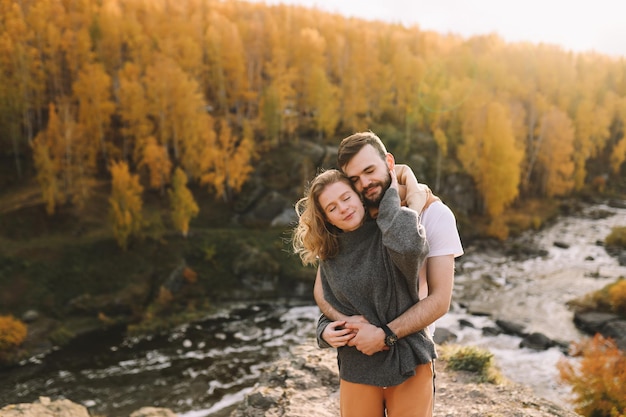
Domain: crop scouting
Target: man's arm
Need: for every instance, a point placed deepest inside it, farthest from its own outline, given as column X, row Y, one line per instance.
column 369, row 339
column 440, row 278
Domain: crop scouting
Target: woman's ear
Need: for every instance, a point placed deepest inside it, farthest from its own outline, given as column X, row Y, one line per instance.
column 391, row 161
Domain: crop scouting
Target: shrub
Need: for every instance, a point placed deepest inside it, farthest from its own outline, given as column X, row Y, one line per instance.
column 610, row 298
column 617, row 297
column 598, row 379
column 617, row 237
column 473, row 359
column 61, row 336
column 12, row 332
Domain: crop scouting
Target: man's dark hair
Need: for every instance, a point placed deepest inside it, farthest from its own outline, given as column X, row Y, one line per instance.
column 351, row 145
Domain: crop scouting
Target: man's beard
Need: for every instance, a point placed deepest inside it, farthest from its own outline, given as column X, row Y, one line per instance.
column 375, row 202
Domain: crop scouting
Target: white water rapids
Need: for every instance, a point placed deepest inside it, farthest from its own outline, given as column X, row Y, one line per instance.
column 534, row 292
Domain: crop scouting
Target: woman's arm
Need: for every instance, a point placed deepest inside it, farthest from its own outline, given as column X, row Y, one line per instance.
column 412, row 194
column 402, row 235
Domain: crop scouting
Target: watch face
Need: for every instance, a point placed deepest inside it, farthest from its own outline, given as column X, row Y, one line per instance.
column 391, row 340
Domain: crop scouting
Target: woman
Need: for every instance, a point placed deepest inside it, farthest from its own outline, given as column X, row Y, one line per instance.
column 368, row 268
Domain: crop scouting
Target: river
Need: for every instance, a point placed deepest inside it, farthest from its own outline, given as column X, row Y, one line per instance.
column 205, row 368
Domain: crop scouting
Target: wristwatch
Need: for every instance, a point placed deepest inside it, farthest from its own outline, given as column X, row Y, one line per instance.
column 390, row 337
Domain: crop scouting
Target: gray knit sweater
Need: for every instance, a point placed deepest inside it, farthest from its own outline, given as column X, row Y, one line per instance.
column 376, row 275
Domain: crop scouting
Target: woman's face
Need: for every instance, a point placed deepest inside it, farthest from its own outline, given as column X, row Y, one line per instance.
column 342, row 206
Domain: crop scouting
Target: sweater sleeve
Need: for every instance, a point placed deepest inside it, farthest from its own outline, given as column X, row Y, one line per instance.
column 403, row 236
column 322, row 322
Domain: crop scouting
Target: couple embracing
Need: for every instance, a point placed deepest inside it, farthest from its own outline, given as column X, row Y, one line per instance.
column 385, row 250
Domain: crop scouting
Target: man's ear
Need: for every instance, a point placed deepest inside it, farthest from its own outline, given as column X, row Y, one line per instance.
column 391, row 161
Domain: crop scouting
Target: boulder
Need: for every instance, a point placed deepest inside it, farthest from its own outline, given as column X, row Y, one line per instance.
column 45, row 407
column 153, row 412
column 443, row 336
column 616, row 330
column 509, row 327
column 537, row 341
column 592, row 322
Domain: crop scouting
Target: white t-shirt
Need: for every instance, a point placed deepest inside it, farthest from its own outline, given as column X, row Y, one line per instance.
column 443, row 239
column 441, row 231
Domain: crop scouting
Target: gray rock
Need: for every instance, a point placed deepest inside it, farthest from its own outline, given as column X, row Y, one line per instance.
column 512, row 328
column 153, row 412
column 287, row 217
column 592, row 322
column 537, row 341
column 30, row 316
column 616, row 330
column 443, row 336
column 44, row 407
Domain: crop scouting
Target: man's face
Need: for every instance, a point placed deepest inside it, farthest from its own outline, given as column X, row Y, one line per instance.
column 370, row 175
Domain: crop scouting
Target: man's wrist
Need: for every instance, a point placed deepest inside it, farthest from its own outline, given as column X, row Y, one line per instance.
column 390, row 337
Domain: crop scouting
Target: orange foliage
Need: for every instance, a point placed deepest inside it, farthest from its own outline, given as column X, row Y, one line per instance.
column 598, row 379
column 12, row 332
column 190, row 275
column 165, row 296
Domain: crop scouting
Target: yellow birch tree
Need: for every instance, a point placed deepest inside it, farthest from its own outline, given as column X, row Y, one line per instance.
column 92, row 91
column 227, row 164
column 133, row 111
column 556, row 154
column 48, row 159
column 156, row 159
column 184, row 207
column 491, row 156
column 125, row 203
column 618, row 154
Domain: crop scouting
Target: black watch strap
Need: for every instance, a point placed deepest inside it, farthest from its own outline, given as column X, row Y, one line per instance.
column 390, row 337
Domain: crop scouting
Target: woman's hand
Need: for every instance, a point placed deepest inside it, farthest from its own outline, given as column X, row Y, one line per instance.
column 394, row 179
column 368, row 339
column 336, row 335
column 356, row 319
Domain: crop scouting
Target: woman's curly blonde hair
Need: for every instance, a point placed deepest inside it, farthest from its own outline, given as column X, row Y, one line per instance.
column 314, row 238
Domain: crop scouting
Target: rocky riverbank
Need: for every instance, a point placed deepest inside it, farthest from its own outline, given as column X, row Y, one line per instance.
column 305, row 384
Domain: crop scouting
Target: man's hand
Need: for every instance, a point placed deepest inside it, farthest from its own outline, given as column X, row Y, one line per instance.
column 369, row 339
column 336, row 335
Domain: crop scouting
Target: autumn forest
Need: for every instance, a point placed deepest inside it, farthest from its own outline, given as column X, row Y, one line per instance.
column 157, row 94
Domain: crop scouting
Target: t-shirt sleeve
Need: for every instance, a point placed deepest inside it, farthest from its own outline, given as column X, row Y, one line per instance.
column 441, row 231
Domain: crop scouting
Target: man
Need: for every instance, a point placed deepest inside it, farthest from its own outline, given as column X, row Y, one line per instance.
column 364, row 159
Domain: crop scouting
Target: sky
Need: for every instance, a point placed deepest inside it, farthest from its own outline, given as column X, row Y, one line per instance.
column 576, row 25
